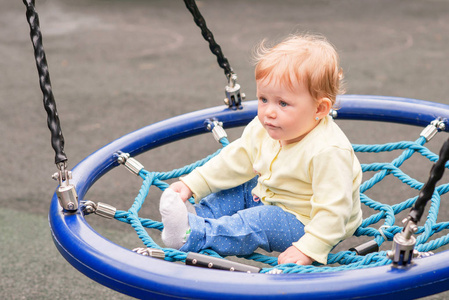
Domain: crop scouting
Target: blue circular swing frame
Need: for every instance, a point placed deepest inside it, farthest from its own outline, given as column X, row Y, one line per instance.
column 145, row 277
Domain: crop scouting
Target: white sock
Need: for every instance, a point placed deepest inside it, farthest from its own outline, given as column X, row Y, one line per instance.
column 175, row 219
column 190, row 207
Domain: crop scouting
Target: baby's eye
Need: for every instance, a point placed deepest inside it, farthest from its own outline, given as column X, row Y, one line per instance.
column 283, row 103
column 263, row 100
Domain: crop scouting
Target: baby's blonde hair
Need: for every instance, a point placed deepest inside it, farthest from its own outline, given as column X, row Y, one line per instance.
column 310, row 59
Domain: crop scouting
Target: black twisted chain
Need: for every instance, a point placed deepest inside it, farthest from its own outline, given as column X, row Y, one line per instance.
column 428, row 188
column 209, row 37
column 57, row 140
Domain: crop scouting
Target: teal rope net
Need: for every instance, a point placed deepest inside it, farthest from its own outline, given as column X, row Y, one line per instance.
column 343, row 260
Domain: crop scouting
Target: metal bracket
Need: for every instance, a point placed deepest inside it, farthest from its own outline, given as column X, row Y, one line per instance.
column 404, row 242
column 216, row 127
column 102, row 209
column 153, row 252
column 233, row 95
column 66, row 192
column 435, row 126
column 333, row 113
column 130, row 163
column 366, row 248
column 206, row 261
column 417, row 254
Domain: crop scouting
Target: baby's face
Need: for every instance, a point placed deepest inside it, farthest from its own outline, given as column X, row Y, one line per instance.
column 288, row 115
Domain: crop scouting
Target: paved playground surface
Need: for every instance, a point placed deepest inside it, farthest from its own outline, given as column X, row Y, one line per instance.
column 117, row 66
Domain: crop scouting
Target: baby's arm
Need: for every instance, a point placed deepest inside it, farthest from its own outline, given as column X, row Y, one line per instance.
column 184, row 191
column 232, row 167
column 335, row 210
column 295, row 256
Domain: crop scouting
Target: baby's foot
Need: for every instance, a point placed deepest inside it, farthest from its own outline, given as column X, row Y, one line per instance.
column 190, row 207
column 175, row 219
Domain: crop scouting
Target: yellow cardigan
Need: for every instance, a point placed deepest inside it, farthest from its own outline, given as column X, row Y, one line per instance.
column 317, row 179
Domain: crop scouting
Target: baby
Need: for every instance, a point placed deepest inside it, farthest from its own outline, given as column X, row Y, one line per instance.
column 290, row 183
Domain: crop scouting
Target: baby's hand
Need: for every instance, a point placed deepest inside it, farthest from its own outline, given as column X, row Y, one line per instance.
column 294, row 255
column 182, row 189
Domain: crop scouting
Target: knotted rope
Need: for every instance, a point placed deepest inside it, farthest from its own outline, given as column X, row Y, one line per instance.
column 343, row 260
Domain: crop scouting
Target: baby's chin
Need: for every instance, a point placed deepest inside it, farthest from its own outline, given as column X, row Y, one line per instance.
column 274, row 134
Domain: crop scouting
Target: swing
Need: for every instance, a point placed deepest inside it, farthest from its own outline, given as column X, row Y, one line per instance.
column 360, row 274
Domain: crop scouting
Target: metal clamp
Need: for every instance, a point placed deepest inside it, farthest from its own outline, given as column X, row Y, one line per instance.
column 366, row 248
column 216, row 127
column 404, row 242
column 435, row 126
column 417, row 254
column 206, row 261
column 66, row 192
column 130, row 163
column 153, row 252
column 234, row 97
column 333, row 113
column 102, row 209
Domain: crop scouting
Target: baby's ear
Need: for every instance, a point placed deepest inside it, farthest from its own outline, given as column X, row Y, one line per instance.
column 323, row 108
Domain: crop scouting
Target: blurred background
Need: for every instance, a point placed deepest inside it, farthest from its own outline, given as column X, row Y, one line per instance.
column 116, row 66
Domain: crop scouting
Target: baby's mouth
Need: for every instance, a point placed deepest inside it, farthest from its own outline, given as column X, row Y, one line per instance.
column 271, row 126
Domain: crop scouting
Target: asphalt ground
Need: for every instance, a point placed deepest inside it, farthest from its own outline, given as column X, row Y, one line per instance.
column 117, row 66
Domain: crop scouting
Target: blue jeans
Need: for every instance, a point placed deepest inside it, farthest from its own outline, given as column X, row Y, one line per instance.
column 234, row 222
